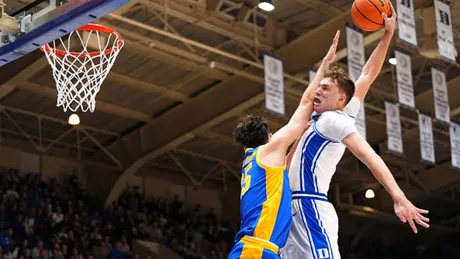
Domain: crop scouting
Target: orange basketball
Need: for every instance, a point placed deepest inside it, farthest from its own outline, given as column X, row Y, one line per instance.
column 367, row 14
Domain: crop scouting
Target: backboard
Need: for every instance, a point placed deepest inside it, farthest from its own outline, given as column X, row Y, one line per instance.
column 26, row 32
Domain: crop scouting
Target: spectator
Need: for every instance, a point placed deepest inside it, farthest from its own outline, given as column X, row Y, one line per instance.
column 42, row 220
column 36, row 250
column 58, row 217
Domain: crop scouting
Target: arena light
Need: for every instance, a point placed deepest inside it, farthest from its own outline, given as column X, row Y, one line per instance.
column 266, row 5
column 74, row 119
column 393, row 61
column 369, row 194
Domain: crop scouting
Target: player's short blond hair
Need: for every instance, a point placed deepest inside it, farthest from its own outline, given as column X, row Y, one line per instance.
column 343, row 81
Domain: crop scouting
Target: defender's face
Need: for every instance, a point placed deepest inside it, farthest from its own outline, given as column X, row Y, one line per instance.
column 328, row 96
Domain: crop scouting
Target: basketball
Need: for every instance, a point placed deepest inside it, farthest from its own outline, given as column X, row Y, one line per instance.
column 367, row 14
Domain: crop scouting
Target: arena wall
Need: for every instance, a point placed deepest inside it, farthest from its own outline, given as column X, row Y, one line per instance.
column 48, row 166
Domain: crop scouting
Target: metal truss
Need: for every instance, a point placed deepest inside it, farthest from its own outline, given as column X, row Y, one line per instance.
column 43, row 145
column 218, row 172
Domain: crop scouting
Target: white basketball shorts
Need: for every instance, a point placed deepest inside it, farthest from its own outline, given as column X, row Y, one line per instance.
column 314, row 230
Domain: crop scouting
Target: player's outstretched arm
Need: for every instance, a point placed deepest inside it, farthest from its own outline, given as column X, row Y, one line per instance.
column 284, row 137
column 374, row 65
column 404, row 209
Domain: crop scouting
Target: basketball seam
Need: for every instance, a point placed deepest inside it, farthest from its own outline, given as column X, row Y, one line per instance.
column 376, row 7
column 354, row 5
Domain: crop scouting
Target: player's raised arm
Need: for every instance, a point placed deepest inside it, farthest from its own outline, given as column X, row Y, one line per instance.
column 404, row 209
column 374, row 65
column 283, row 138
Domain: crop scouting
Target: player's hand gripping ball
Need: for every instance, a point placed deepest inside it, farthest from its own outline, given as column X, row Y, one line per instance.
column 367, row 14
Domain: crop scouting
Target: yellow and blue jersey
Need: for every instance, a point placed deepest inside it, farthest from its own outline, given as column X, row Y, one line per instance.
column 265, row 204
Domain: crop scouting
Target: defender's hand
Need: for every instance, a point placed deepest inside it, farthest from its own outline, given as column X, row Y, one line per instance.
column 330, row 56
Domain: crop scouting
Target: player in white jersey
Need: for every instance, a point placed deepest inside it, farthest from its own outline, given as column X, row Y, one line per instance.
column 314, row 230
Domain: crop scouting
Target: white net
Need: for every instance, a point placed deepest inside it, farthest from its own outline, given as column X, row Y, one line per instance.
column 81, row 64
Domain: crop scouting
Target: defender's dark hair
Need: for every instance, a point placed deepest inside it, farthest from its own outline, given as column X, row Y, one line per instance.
column 252, row 131
column 343, row 81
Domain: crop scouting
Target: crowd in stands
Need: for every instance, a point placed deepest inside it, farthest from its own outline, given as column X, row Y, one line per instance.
column 52, row 220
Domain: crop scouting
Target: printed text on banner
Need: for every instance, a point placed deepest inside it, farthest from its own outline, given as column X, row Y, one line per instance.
column 356, row 60
column 395, row 143
column 274, row 85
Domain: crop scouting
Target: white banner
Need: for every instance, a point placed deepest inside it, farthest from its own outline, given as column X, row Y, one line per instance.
column 406, row 21
column 441, row 98
column 356, row 60
column 394, row 135
column 274, row 85
column 404, row 79
column 311, row 75
column 360, row 121
column 426, row 138
column 445, row 36
column 355, row 53
column 455, row 144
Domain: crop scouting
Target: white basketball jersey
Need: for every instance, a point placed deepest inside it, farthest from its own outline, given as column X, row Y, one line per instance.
column 320, row 149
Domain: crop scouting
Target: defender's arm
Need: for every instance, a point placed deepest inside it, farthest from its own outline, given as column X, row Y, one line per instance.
column 284, row 137
column 314, row 83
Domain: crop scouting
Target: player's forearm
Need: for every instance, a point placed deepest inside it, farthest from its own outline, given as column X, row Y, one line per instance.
column 309, row 93
column 384, row 176
column 374, row 64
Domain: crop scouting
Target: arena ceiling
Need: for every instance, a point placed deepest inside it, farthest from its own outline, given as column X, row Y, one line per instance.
column 190, row 69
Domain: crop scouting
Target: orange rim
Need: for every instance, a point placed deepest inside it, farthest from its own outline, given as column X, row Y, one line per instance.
column 88, row 27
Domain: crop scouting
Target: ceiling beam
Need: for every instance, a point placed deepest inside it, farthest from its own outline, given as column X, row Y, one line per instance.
column 169, row 54
column 202, row 46
column 10, row 85
column 146, row 87
column 322, row 7
column 210, row 21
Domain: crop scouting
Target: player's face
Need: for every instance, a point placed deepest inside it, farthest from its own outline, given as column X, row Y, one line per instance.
column 328, row 96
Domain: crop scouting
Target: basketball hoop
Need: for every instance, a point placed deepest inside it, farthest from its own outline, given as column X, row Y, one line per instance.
column 79, row 72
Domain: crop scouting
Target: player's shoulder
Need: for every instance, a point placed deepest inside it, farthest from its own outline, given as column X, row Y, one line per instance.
column 353, row 107
column 332, row 123
column 335, row 116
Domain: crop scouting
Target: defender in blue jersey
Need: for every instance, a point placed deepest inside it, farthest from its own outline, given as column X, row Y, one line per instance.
column 265, row 190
